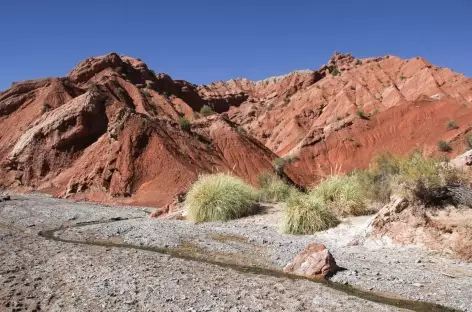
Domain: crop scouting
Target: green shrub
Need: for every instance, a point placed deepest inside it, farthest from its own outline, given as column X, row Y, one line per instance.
column 184, row 123
column 358, row 62
column 362, row 115
column 206, row 111
column 376, row 187
column 343, row 194
column 451, row 125
column 279, row 164
column 444, row 146
column 220, row 197
column 306, row 214
column 414, row 176
column 335, row 71
column 145, row 94
column 290, row 159
column 46, row 108
column 402, row 77
column 406, row 174
column 286, row 101
column 274, row 189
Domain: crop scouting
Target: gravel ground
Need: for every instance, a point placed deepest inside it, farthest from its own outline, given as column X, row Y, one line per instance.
column 41, row 274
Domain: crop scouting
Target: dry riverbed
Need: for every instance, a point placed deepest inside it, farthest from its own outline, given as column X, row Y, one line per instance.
column 208, row 268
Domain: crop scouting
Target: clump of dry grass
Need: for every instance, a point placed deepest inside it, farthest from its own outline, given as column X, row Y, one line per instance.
column 274, row 189
column 220, row 197
column 343, row 194
column 305, row 214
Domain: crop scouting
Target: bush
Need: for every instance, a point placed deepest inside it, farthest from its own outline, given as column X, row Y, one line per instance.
column 286, row 101
column 362, row 115
column 444, row 146
column 184, row 123
column 279, row 164
column 416, row 175
column 306, row 214
column 46, row 108
column 206, row 111
column 451, row 125
column 274, row 189
column 290, row 159
column 145, row 94
column 375, row 186
column 343, row 194
column 220, row 197
column 335, row 71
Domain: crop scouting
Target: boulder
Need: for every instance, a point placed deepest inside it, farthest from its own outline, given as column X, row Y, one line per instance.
column 315, row 261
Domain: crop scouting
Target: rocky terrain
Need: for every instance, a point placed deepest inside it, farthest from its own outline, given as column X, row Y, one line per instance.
column 115, row 259
column 112, row 130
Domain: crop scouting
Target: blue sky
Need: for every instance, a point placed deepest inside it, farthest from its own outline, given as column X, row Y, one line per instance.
column 204, row 41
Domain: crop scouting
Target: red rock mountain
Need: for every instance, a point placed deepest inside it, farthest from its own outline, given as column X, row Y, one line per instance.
column 109, row 131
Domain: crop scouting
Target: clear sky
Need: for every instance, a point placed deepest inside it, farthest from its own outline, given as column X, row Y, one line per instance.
column 208, row 40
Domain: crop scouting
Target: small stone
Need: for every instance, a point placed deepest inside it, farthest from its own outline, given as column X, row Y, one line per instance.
column 418, row 261
column 418, row 285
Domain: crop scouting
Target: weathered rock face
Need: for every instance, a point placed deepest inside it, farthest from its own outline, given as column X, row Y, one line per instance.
column 463, row 161
column 108, row 131
column 345, row 112
column 315, row 261
column 445, row 229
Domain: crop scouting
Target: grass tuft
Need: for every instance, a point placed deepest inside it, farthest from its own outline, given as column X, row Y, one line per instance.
column 206, row 111
column 184, row 123
column 343, row 194
column 220, row 197
column 451, row 125
column 274, row 189
column 305, row 214
column 444, row 146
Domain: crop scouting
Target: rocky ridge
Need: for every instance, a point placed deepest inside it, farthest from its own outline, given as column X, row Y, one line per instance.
column 110, row 131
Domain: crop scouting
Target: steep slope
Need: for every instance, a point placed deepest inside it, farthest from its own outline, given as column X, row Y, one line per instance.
column 109, row 132
column 339, row 116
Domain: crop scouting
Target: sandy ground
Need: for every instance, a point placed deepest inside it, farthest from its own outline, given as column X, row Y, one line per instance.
column 45, row 275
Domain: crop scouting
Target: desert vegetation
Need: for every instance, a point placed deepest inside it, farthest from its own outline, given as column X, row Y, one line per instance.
column 418, row 178
column 362, row 114
column 46, row 108
column 274, row 189
column 220, row 197
column 451, row 125
column 306, row 214
column 443, row 146
column 206, row 111
column 184, row 124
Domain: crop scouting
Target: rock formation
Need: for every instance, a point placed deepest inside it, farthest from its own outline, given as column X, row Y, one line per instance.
column 110, row 131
